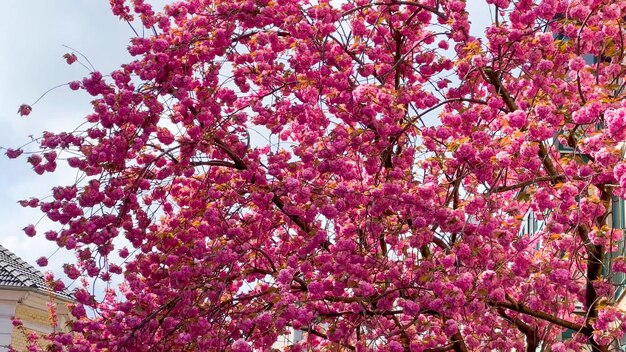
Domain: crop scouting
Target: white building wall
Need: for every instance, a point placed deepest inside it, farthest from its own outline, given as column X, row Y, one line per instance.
column 8, row 301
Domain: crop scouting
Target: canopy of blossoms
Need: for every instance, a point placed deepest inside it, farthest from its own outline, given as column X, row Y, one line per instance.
column 356, row 170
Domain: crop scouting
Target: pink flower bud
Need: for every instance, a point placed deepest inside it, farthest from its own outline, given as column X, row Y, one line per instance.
column 13, row 153
column 30, row 230
column 42, row 261
column 74, row 85
column 70, row 58
column 24, row 110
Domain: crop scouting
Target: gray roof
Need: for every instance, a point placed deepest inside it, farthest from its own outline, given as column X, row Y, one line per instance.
column 15, row 272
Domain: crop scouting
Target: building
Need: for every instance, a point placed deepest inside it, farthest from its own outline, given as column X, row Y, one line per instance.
column 24, row 295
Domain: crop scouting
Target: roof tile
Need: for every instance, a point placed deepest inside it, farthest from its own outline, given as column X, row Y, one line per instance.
column 17, row 273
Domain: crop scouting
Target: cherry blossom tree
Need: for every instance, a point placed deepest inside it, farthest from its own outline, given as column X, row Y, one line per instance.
column 358, row 171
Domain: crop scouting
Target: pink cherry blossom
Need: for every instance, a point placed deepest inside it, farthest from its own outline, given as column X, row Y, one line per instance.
column 24, row 110
column 74, row 85
column 616, row 123
column 42, row 261
column 30, row 230
column 368, row 174
column 13, row 153
column 70, row 58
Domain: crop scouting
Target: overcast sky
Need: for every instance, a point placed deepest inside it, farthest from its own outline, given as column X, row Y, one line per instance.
column 32, row 46
column 35, row 32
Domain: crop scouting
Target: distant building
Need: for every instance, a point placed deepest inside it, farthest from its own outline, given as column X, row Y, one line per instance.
column 24, row 295
column 289, row 339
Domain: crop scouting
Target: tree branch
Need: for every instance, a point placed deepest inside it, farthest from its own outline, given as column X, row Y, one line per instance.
column 458, row 344
column 214, row 163
column 527, row 183
column 520, row 308
column 445, row 348
column 494, row 79
column 532, row 336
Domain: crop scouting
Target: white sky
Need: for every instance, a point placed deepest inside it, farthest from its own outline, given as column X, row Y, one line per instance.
column 34, row 32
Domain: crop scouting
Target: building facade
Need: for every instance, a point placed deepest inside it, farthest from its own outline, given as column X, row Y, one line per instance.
column 25, row 296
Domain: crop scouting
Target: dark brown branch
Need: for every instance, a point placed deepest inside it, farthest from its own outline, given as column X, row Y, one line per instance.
column 344, row 299
column 430, row 9
column 368, row 313
column 531, row 333
column 295, row 218
column 458, row 344
column 527, row 183
column 239, row 164
column 303, row 225
column 595, row 258
column 214, row 163
column 520, row 308
column 440, row 243
column 493, row 78
column 250, row 34
column 547, row 163
column 445, row 348
column 324, row 336
column 404, row 337
column 267, row 257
